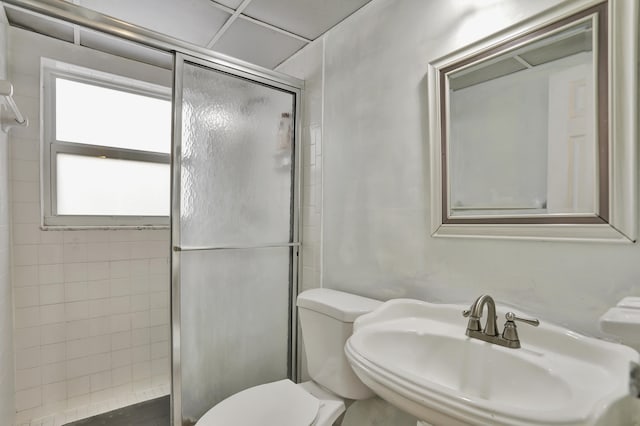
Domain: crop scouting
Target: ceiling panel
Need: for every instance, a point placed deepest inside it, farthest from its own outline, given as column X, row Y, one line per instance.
column 229, row 3
column 36, row 23
column 257, row 44
column 195, row 21
column 307, row 18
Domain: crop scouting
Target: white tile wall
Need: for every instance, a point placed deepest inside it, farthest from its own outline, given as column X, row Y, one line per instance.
column 7, row 389
column 307, row 65
column 91, row 307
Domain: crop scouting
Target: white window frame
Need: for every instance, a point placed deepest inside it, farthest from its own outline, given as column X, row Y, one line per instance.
column 50, row 147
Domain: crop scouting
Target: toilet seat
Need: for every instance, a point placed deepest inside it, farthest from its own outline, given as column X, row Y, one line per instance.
column 280, row 403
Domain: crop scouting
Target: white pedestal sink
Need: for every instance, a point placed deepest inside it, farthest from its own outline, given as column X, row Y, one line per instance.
column 416, row 356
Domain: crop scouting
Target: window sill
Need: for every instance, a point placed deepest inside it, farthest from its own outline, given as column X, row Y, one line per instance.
column 103, row 227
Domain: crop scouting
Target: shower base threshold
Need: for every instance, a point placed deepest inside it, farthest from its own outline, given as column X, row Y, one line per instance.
column 154, row 412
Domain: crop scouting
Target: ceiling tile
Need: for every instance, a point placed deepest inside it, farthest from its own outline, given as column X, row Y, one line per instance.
column 257, row 44
column 229, row 3
column 39, row 24
column 307, row 18
column 196, row 21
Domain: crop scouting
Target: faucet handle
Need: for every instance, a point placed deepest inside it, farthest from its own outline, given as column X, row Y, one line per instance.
column 510, row 332
column 474, row 322
column 510, row 316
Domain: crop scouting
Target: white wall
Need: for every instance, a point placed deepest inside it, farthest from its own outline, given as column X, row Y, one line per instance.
column 7, row 388
column 91, row 307
column 308, row 64
column 375, row 188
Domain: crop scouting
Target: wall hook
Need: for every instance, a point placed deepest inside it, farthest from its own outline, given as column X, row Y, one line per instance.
column 6, row 91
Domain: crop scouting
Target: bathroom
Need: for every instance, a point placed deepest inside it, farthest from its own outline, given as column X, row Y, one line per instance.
column 365, row 218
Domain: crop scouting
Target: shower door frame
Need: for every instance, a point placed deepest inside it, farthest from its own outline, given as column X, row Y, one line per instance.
column 296, row 199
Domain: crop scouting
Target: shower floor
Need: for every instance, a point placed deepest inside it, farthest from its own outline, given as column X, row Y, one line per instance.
column 154, row 412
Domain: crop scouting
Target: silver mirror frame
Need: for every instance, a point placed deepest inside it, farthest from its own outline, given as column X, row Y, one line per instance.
column 622, row 132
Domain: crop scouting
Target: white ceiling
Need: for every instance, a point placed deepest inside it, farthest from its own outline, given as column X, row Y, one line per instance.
column 263, row 32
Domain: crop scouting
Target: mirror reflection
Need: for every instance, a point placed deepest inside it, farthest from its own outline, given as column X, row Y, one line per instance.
column 522, row 130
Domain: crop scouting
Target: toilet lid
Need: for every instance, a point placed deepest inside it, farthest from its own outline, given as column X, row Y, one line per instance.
column 281, row 403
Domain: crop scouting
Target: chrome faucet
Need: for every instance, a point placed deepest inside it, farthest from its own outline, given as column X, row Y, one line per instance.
column 509, row 337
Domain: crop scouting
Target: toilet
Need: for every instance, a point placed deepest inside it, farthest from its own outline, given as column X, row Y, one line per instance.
column 326, row 318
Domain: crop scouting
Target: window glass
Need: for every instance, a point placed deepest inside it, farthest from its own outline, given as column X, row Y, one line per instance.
column 97, row 115
column 104, row 186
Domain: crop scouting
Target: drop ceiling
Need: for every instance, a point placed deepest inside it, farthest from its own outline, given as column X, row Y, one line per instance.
column 263, row 32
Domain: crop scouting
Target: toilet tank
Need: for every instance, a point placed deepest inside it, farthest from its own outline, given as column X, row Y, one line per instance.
column 326, row 318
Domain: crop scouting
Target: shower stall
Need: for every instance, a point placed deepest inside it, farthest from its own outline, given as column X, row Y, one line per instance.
column 235, row 195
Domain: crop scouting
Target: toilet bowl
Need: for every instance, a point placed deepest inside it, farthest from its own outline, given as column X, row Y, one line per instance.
column 326, row 318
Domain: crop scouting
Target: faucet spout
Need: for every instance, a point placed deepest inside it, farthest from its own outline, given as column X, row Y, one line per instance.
column 475, row 314
column 509, row 337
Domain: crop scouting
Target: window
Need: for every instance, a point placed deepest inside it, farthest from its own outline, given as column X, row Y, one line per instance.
column 105, row 149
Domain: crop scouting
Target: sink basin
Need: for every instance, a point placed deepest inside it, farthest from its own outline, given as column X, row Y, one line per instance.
column 416, row 355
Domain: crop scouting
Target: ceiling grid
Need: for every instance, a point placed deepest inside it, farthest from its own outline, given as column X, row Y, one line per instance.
column 263, row 32
column 227, row 24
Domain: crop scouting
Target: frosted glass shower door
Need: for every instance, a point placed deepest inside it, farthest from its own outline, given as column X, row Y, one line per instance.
column 234, row 239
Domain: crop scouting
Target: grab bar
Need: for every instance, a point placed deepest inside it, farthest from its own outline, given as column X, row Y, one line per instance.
column 235, row 247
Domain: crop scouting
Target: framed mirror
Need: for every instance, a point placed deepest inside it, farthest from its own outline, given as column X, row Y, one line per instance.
column 533, row 130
